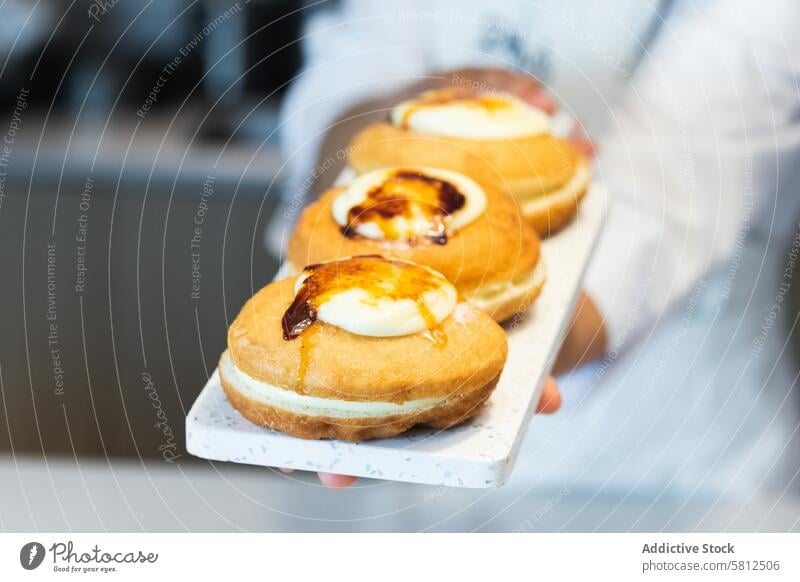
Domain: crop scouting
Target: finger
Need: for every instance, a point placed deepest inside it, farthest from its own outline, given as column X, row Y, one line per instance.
column 581, row 141
column 534, row 94
column 333, row 481
column 585, row 146
column 285, row 470
column 550, row 400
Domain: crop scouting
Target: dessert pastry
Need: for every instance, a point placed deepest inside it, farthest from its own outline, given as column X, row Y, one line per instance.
column 473, row 235
column 494, row 139
column 360, row 348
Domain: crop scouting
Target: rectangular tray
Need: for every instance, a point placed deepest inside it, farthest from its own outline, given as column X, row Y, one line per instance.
column 480, row 453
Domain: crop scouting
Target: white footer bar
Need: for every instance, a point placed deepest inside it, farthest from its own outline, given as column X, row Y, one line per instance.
column 387, row 557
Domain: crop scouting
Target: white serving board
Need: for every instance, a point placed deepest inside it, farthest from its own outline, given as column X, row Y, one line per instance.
column 481, row 452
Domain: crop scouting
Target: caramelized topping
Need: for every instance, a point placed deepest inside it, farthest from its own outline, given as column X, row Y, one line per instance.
column 436, row 335
column 305, row 353
column 408, row 194
column 446, row 96
column 381, row 278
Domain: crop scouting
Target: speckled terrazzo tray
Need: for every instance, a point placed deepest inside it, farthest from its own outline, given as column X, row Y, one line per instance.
column 479, row 453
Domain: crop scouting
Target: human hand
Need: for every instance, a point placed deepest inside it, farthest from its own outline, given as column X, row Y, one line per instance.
column 549, row 402
column 585, row 340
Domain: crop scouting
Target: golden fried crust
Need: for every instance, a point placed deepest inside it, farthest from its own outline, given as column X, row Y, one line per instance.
column 455, row 410
column 497, row 247
column 549, row 214
column 514, row 299
column 523, row 166
column 553, row 214
column 345, row 366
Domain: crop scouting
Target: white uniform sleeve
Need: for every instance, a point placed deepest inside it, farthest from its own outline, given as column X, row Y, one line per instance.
column 354, row 53
column 692, row 163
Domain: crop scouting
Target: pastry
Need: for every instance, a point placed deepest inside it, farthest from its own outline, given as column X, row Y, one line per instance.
column 360, row 348
column 474, row 235
column 494, row 139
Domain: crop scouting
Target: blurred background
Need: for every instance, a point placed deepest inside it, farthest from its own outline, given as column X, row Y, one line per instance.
column 128, row 124
column 85, row 165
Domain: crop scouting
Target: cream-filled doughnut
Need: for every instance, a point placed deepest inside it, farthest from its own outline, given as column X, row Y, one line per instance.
column 474, row 235
column 494, row 139
column 295, row 366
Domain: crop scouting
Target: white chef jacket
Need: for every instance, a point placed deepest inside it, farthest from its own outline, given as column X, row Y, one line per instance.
column 697, row 121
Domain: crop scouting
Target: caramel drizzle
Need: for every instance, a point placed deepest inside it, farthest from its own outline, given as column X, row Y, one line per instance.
column 306, row 345
column 381, row 278
column 437, row 336
column 399, row 195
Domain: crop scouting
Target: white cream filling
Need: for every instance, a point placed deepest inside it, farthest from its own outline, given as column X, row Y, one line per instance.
column 570, row 190
column 487, row 296
column 359, row 312
column 418, row 224
column 466, row 119
column 290, row 401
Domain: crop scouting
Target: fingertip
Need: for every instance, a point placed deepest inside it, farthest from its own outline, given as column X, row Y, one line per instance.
column 539, row 98
column 586, row 147
column 333, row 481
column 583, row 142
column 550, row 400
